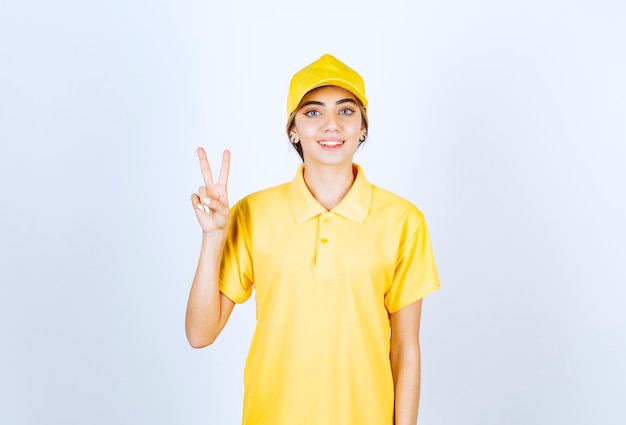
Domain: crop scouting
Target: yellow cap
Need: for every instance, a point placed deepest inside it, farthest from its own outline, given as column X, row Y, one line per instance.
column 326, row 71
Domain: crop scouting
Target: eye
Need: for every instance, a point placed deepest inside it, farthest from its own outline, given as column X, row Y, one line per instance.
column 312, row 113
column 347, row 111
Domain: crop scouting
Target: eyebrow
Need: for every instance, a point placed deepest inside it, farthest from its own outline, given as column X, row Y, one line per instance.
column 339, row 102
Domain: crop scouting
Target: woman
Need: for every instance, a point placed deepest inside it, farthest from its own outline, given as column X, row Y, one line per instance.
column 339, row 268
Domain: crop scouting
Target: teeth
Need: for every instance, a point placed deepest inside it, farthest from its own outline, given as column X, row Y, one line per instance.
column 330, row 143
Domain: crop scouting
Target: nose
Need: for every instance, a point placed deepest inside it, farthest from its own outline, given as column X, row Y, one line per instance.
column 331, row 123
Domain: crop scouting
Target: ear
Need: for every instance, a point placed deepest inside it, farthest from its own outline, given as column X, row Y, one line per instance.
column 363, row 135
column 363, row 131
column 293, row 135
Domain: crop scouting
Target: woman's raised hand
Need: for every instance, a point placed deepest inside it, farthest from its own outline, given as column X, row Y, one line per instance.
column 211, row 201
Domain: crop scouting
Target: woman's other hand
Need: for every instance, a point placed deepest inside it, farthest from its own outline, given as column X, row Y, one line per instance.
column 211, row 202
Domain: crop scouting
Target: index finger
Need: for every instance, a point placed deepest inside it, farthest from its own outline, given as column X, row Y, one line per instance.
column 223, row 178
column 205, row 167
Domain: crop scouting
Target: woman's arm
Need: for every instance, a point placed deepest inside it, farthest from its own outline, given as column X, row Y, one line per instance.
column 207, row 308
column 405, row 362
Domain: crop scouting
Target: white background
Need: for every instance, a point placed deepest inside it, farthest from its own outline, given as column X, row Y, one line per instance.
column 505, row 122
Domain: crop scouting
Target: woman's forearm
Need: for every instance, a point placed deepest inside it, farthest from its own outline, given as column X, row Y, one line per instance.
column 405, row 364
column 203, row 321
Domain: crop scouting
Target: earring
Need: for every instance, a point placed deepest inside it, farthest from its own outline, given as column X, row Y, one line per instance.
column 361, row 140
column 292, row 137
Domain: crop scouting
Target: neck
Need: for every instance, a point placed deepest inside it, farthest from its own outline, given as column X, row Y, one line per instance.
column 328, row 184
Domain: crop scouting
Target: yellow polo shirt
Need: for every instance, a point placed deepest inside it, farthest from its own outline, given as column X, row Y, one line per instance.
column 325, row 284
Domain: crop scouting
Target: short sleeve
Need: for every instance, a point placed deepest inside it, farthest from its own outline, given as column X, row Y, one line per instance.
column 236, row 273
column 415, row 274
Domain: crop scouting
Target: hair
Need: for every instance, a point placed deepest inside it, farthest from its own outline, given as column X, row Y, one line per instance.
column 298, row 147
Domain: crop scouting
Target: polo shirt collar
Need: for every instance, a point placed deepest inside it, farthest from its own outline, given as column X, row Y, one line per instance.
column 354, row 206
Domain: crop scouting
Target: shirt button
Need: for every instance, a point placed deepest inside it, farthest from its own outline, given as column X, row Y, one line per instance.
column 323, row 240
column 327, row 220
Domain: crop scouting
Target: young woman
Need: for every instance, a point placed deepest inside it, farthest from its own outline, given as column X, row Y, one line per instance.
column 339, row 268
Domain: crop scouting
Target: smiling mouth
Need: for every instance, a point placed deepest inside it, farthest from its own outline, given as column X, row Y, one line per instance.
column 330, row 143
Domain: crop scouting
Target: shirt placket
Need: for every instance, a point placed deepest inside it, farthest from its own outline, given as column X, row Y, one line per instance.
column 326, row 242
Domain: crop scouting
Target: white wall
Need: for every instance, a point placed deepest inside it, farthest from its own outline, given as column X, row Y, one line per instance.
column 503, row 121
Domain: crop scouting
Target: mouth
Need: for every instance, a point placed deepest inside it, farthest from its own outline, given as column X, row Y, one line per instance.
column 330, row 144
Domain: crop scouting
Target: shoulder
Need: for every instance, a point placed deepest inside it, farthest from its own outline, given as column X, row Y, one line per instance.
column 262, row 200
column 389, row 204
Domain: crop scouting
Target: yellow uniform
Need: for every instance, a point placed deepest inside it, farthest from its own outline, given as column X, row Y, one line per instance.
column 325, row 283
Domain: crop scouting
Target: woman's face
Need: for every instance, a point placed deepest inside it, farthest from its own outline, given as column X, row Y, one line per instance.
column 328, row 125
